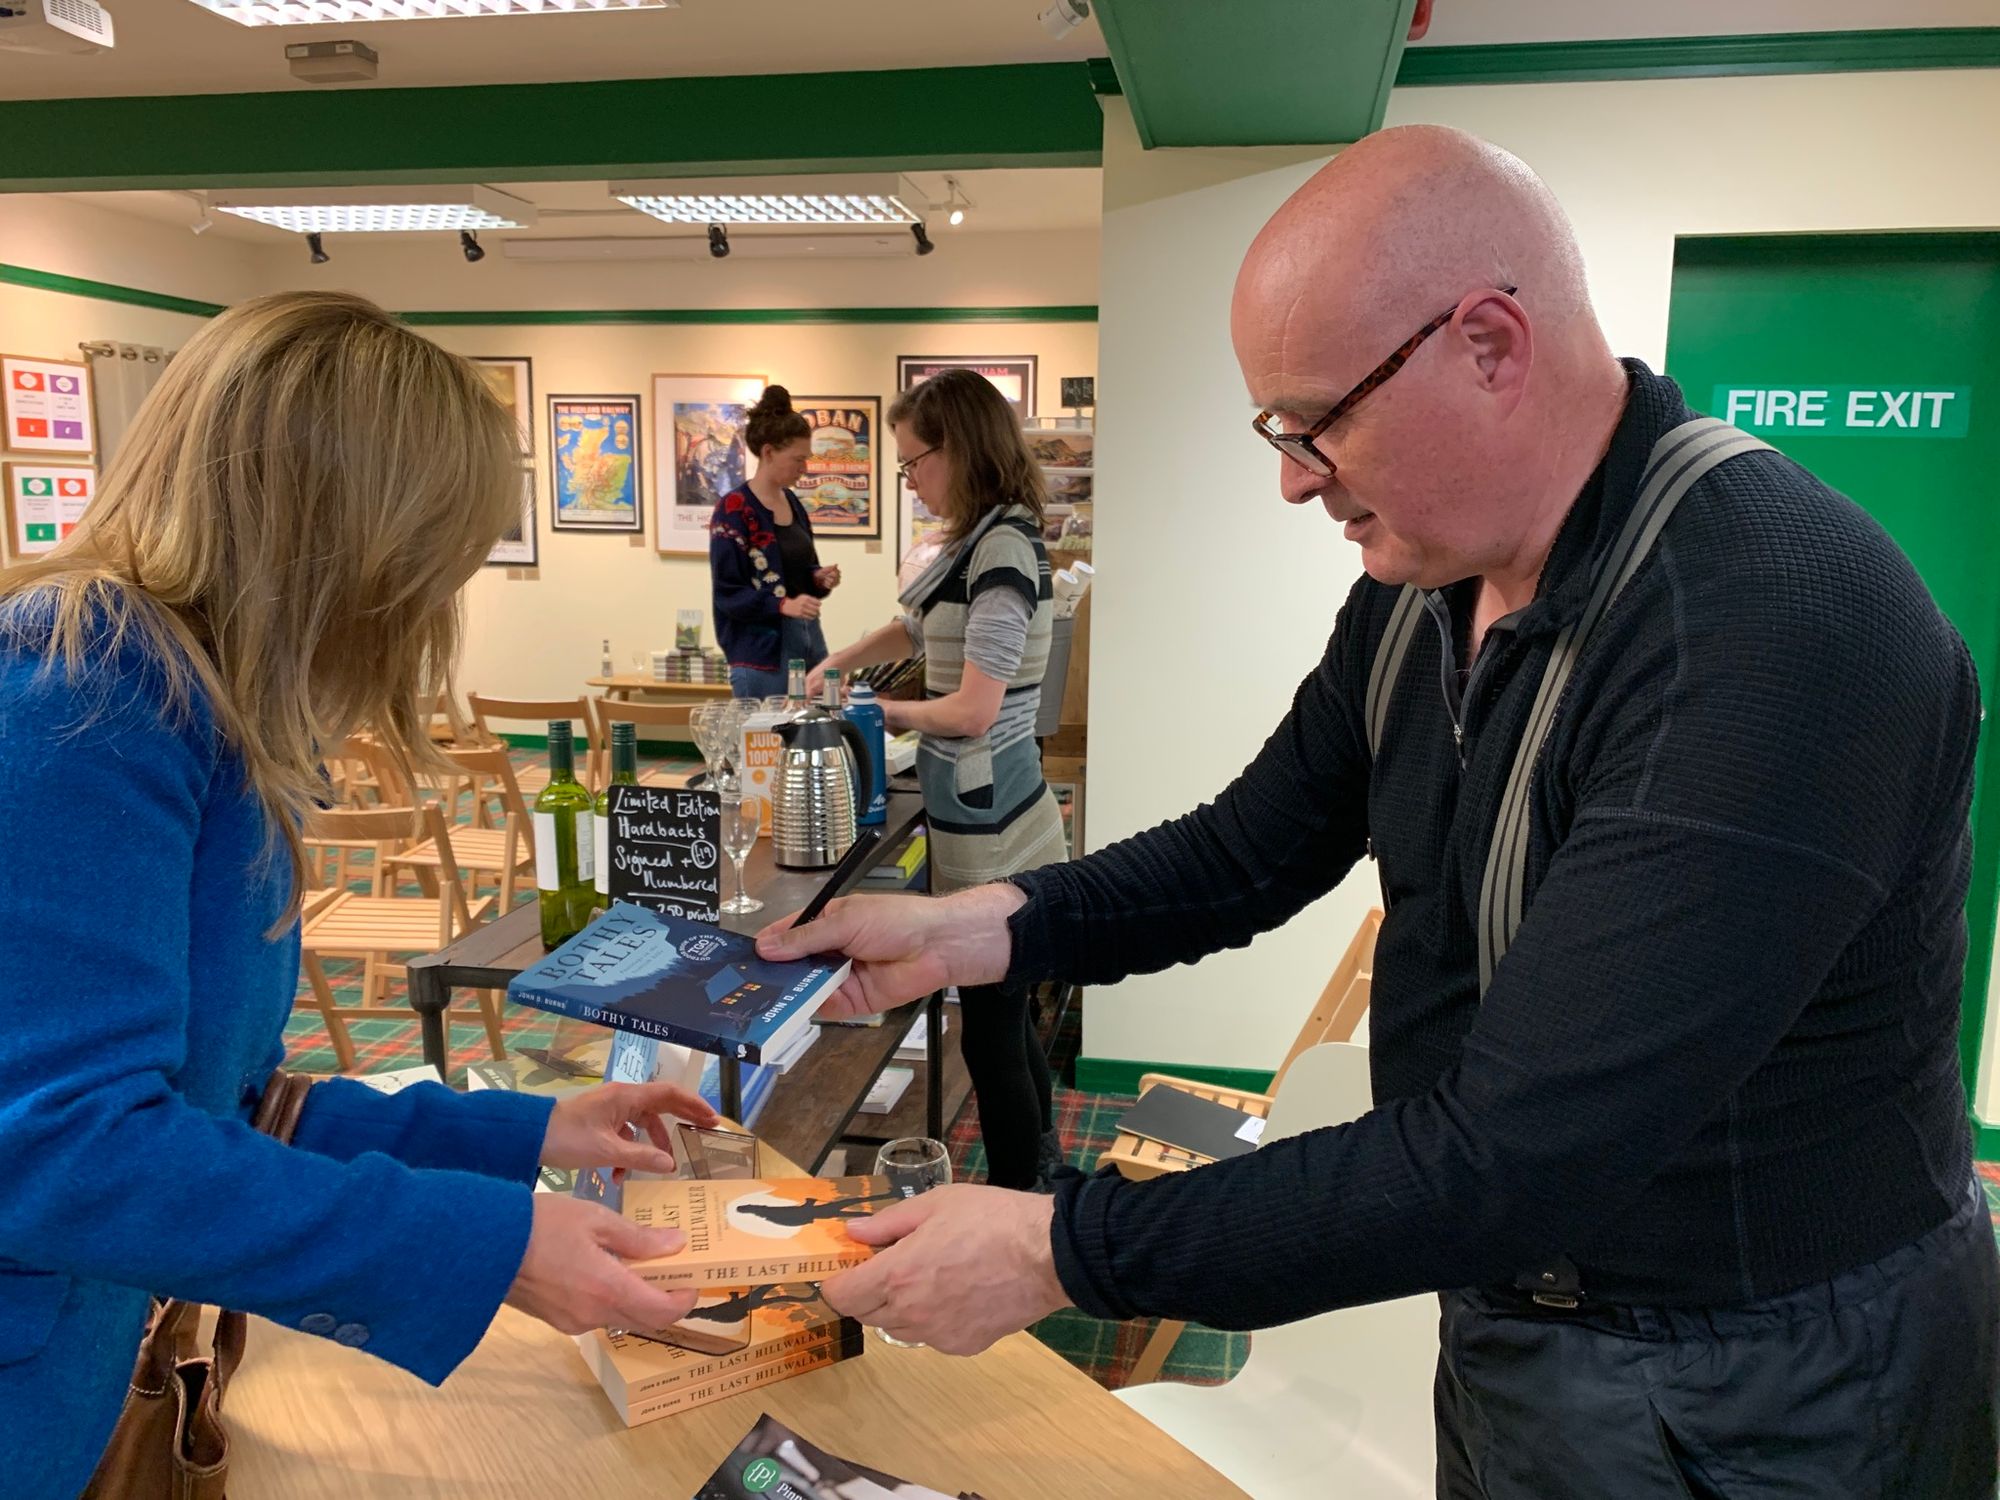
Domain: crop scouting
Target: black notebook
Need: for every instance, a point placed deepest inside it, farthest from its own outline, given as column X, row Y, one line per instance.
column 1174, row 1117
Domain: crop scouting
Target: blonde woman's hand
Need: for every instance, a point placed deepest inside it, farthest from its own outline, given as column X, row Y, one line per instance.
column 574, row 1275
column 799, row 607
column 620, row 1125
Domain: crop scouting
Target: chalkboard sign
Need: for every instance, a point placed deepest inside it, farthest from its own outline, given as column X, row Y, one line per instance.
column 666, row 850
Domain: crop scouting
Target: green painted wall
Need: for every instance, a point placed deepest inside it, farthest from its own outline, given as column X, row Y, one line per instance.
column 1915, row 316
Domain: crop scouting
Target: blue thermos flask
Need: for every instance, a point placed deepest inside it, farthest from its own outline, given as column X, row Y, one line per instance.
column 865, row 714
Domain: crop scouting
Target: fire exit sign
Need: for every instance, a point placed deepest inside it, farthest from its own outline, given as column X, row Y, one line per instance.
column 1846, row 410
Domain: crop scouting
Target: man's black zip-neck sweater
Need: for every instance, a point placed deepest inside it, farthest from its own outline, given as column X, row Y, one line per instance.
column 1718, row 1063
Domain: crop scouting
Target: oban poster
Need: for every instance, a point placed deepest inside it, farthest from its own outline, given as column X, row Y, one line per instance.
column 842, row 484
column 702, row 453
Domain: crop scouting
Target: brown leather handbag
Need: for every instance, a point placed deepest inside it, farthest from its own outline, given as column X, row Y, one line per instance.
column 170, row 1443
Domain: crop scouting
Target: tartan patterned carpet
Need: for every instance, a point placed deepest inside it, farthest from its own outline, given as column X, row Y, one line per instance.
column 1087, row 1122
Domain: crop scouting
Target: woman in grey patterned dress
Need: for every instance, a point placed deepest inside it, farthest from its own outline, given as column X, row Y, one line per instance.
column 981, row 614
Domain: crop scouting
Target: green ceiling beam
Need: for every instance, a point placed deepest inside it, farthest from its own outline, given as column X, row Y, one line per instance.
column 1027, row 115
column 1703, row 56
column 1255, row 72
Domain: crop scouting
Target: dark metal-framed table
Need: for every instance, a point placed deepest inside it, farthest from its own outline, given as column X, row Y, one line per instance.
column 811, row 1104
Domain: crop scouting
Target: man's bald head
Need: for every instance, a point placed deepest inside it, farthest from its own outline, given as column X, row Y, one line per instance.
column 1389, row 232
column 1384, row 239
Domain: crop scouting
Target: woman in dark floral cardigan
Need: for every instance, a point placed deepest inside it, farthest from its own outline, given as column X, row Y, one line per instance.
column 766, row 572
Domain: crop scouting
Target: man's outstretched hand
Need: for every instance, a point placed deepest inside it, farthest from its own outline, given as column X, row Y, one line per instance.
column 903, row 947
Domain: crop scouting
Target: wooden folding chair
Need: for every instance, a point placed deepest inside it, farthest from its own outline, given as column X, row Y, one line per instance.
column 644, row 716
column 383, row 928
column 538, row 712
column 506, row 853
column 1336, row 1013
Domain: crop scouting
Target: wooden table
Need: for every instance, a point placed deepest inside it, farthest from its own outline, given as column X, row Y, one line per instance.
column 622, row 687
column 523, row 1419
column 810, row 1107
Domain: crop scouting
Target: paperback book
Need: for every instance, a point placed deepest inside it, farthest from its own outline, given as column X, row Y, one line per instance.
column 755, row 1233
column 681, row 981
column 727, row 1334
column 772, row 1462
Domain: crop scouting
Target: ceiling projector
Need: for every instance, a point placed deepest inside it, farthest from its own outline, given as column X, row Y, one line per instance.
column 54, row 26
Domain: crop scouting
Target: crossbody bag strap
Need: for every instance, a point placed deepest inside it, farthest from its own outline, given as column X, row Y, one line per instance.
column 1678, row 461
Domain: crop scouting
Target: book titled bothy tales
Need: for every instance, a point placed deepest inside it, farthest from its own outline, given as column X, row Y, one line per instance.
column 682, row 981
column 751, row 1234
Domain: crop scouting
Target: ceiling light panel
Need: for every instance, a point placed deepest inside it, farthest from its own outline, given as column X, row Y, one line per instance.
column 871, row 199
column 329, row 12
column 377, row 211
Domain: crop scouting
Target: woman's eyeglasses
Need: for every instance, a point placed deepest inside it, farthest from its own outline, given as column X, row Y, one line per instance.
column 903, row 468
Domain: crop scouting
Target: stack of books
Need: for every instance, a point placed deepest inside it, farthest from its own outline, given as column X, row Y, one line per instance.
column 690, row 666
column 756, row 1249
column 897, row 871
column 732, row 1342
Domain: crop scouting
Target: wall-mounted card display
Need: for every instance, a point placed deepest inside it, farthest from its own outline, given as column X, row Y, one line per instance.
column 512, row 382
column 842, row 482
column 517, row 547
column 594, row 463
column 47, row 406
column 44, row 504
column 701, row 453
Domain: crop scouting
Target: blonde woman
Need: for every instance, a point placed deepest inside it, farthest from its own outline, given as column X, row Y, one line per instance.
column 981, row 613
column 272, row 562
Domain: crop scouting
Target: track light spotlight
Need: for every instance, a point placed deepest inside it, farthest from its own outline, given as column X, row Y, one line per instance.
column 469, row 243
column 718, row 241
column 1060, row 19
column 319, row 255
column 922, row 237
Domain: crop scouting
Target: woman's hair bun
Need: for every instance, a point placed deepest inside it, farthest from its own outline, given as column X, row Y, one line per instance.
column 775, row 400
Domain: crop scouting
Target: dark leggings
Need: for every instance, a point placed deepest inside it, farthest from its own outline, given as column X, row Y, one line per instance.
column 1010, row 1078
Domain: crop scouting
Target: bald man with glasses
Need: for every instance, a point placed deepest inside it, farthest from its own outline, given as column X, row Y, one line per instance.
column 1665, row 755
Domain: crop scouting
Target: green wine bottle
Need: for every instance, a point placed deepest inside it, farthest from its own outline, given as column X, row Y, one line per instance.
column 565, row 850
column 624, row 772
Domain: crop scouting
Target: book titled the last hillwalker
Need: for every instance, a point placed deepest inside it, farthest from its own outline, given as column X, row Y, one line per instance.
column 682, row 981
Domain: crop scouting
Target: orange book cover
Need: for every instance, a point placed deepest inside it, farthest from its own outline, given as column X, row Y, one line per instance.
column 752, row 1233
column 735, row 1382
column 783, row 1322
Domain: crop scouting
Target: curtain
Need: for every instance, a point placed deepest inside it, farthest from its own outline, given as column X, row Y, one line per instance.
column 121, row 375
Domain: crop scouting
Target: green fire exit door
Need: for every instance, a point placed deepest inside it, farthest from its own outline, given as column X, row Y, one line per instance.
column 1874, row 360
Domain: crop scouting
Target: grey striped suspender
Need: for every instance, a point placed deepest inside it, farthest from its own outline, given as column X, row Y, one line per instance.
column 1677, row 462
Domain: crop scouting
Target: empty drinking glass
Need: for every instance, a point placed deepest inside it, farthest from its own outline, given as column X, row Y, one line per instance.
column 742, row 817
column 913, row 1165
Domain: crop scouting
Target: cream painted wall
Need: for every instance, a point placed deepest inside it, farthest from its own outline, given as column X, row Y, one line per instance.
column 1206, row 576
column 537, row 634
column 47, row 233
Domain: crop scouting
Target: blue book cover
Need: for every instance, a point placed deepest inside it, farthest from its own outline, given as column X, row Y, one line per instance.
column 679, row 980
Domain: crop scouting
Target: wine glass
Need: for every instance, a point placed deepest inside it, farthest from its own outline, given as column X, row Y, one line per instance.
column 915, row 1164
column 742, row 817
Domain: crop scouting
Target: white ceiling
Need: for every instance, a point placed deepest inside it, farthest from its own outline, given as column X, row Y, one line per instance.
column 1480, row 22
column 1003, row 201
column 177, row 47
